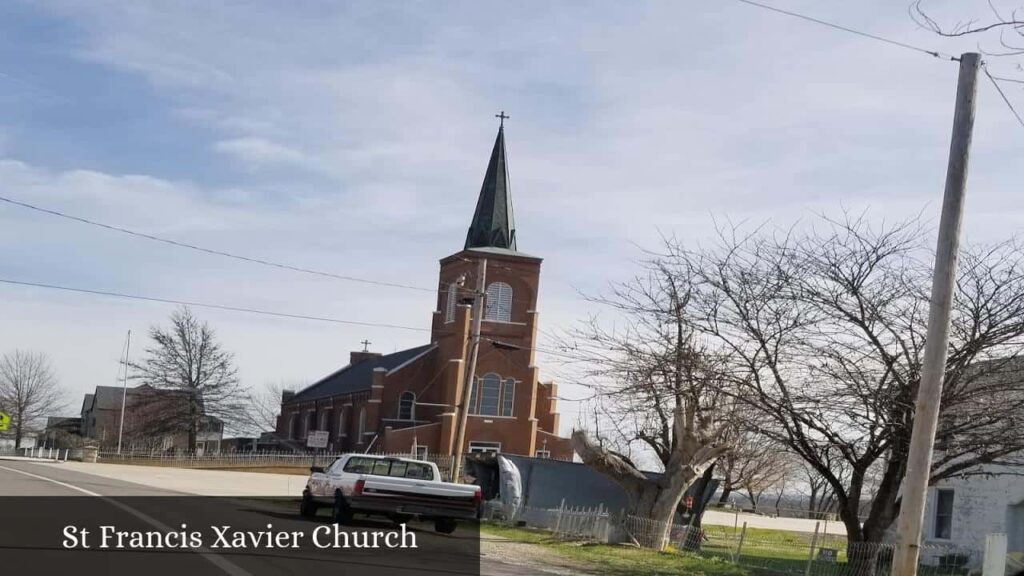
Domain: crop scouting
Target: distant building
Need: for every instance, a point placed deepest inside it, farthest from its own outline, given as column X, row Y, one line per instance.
column 146, row 425
column 405, row 401
column 62, row 432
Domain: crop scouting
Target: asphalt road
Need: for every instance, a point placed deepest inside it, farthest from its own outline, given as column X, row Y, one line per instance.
column 147, row 508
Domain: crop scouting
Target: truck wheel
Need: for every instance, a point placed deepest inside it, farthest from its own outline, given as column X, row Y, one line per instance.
column 307, row 509
column 342, row 512
column 445, row 525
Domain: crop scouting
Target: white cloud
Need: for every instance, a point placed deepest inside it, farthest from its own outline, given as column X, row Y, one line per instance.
column 257, row 152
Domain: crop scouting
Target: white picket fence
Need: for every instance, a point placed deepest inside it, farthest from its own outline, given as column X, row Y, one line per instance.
column 564, row 522
column 58, row 454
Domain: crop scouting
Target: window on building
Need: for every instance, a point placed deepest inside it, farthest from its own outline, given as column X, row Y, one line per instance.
column 362, row 425
column 490, row 393
column 323, row 420
column 508, row 396
column 499, row 303
column 342, row 432
column 406, row 406
column 475, row 446
column 308, row 423
column 542, row 454
column 492, row 397
column 453, row 296
column 291, row 427
column 943, row 514
column 419, row 451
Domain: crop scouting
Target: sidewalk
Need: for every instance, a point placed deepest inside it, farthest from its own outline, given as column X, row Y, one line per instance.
column 199, row 482
column 722, row 518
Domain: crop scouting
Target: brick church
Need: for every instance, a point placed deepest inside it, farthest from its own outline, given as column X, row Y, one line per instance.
column 406, row 401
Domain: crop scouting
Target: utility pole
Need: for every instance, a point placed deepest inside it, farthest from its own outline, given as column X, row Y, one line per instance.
column 933, row 368
column 474, row 348
column 124, row 389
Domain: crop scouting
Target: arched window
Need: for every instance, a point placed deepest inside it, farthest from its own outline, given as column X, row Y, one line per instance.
column 490, row 393
column 362, row 425
column 406, row 405
column 499, row 303
column 453, row 296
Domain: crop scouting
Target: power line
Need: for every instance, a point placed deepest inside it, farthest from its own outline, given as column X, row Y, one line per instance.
column 1005, row 99
column 849, row 30
column 213, row 251
column 214, row 306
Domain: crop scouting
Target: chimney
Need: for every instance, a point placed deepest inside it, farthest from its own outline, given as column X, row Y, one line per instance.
column 287, row 395
column 362, row 355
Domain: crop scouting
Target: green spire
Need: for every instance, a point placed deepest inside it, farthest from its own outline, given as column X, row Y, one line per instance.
column 493, row 225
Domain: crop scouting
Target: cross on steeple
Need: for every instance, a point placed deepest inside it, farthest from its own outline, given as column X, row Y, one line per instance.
column 502, row 116
column 366, row 345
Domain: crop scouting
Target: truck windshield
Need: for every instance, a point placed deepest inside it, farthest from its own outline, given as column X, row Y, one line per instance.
column 393, row 468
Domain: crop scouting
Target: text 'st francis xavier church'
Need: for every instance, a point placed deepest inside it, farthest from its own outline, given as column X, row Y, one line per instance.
column 405, row 402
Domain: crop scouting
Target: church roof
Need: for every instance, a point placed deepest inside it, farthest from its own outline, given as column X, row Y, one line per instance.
column 493, row 225
column 358, row 376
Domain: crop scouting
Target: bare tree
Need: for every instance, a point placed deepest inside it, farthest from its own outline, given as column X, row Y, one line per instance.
column 1008, row 26
column 818, row 492
column 28, row 391
column 770, row 468
column 753, row 463
column 190, row 379
column 826, row 330
column 657, row 387
column 265, row 406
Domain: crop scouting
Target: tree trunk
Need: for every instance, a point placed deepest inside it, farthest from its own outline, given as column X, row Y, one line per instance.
column 193, row 425
column 651, row 516
column 652, row 503
column 726, row 491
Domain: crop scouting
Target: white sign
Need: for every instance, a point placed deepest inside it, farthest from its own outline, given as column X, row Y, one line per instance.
column 316, row 439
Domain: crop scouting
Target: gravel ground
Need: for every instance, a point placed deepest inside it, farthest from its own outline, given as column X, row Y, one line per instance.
column 538, row 559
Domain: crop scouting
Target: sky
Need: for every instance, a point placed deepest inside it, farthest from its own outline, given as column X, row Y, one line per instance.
column 352, row 138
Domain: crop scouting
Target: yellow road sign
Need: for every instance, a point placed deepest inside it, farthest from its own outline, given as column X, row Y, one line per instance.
column 5, row 421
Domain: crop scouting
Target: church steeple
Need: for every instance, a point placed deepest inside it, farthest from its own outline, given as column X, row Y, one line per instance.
column 493, row 225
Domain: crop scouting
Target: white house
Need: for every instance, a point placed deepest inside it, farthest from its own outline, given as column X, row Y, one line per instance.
column 961, row 511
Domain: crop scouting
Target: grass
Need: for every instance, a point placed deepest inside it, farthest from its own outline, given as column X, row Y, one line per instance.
column 613, row 560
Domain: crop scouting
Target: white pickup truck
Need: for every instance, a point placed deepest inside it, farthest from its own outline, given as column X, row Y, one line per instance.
column 397, row 488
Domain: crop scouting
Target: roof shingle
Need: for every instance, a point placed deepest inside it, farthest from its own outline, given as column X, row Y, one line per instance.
column 357, row 377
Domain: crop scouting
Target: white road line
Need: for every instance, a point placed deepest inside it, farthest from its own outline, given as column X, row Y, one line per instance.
column 58, row 482
column 220, row 562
